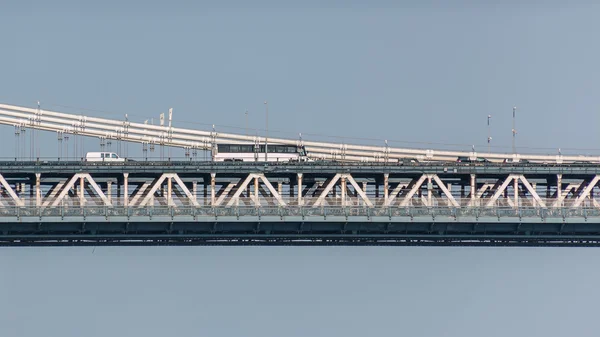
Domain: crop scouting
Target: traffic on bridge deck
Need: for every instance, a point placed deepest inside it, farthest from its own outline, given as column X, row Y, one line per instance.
column 250, row 191
column 63, row 124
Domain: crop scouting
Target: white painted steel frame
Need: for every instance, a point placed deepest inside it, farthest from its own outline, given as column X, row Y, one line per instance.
column 428, row 190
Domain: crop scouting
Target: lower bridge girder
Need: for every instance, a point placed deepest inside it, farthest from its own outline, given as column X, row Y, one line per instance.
column 297, row 226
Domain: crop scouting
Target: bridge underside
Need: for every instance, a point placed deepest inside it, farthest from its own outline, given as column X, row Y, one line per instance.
column 329, row 226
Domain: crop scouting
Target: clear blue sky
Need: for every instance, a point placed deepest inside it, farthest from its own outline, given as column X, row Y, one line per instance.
column 418, row 72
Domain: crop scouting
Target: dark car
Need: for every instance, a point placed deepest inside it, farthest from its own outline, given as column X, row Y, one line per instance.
column 407, row 161
column 468, row 160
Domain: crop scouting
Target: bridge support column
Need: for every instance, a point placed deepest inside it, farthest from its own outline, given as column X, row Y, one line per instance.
column 299, row 189
column 38, row 192
column 558, row 187
column 256, row 191
column 429, row 191
column 212, row 189
column 126, row 189
column 385, row 188
column 473, row 189
column 109, row 191
column 516, row 188
column 279, row 187
column 194, row 190
column 169, row 192
column 343, row 186
column 81, row 195
column 534, row 187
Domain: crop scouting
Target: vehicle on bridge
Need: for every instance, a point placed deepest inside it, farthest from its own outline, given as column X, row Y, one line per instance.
column 246, row 152
column 515, row 161
column 408, row 161
column 469, row 160
column 103, row 157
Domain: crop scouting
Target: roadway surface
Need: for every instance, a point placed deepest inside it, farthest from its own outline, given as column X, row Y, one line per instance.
column 323, row 167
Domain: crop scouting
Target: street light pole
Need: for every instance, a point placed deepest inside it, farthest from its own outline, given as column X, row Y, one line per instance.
column 246, row 122
column 489, row 138
column 514, row 131
column 267, row 129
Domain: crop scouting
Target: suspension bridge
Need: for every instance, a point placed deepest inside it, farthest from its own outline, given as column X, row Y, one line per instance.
column 347, row 194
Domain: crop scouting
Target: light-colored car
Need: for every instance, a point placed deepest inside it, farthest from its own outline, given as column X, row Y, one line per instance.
column 103, row 157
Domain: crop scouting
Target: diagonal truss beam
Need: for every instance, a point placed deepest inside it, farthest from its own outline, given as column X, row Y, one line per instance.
column 158, row 183
column 96, row 188
column 239, row 191
column 479, row 193
column 394, row 194
column 500, row 190
column 327, row 189
column 224, row 193
column 586, row 191
column 274, row 192
column 52, row 193
column 87, row 177
column 185, row 190
column 532, row 191
column 358, row 190
column 445, row 190
column 152, row 190
column 332, row 184
column 562, row 195
column 138, row 193
column 18, row 201
column 244, row 184
column 413, row 190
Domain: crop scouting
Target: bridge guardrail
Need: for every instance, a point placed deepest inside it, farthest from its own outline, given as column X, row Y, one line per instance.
column 142, row 162
column 351, row 211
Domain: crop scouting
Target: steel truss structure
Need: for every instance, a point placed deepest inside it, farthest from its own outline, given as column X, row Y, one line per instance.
column 208, row 203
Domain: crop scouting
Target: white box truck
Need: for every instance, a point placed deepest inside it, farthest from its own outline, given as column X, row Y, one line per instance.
column 103, row 157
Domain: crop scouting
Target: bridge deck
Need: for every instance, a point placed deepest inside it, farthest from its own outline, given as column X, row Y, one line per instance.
column 313, row 167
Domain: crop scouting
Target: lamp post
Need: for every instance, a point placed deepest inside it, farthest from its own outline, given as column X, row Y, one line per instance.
column 489, row 138
column 514, row 132
column 246, row 122
column 267, row 129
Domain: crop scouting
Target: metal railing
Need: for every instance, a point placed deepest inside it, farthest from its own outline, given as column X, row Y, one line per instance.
column 185, row 161
column 282, row 212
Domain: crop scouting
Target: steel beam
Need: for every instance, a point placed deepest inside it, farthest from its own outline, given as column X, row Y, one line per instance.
column 18, row 201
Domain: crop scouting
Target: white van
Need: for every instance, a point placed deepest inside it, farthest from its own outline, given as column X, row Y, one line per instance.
column 103, row 157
